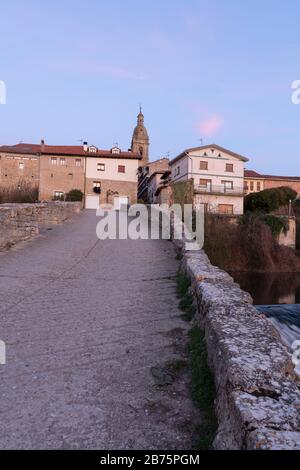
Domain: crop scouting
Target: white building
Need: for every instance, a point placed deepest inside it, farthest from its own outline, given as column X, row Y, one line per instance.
column 218, row 176
column 111, row 177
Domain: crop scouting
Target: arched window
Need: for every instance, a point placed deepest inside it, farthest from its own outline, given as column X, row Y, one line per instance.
column 141, row 151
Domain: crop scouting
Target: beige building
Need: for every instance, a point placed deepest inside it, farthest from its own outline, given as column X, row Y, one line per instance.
column 111, row 177
column 255, row 182
column 218, row 176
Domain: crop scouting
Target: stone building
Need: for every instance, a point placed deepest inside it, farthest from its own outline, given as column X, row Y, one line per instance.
column 140, row 140
column 255, row 182
column 218, row 176
column 19, row 164
column 62, row 168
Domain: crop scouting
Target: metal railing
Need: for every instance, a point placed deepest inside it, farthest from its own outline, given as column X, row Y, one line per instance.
column 219, row 189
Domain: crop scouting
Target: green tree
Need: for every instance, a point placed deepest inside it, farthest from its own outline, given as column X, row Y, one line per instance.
column 75, row 195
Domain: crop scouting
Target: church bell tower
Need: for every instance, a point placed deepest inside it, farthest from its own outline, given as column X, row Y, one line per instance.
column 140, row 139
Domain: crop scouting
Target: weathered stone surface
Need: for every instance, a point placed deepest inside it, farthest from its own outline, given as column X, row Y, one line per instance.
column 258, row 396
column 20, row 222
column 268, row 439
column 93, row 333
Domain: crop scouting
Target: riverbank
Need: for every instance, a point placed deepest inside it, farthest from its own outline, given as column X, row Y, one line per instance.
column 247, row 246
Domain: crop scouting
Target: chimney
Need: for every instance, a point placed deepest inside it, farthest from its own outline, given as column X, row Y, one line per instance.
column 42, row 145
column 85, row 146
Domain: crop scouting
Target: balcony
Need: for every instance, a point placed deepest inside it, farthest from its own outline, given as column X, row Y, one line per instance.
column 219, row 189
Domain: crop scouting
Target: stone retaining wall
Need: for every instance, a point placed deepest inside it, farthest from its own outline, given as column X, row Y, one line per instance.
column 20, row 222
column 258, row 395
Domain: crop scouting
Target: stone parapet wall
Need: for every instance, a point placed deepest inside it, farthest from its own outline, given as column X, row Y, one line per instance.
column 258, row 395
column 20, row 222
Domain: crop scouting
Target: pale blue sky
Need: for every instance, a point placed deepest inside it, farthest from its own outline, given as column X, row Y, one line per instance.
column 220, row 70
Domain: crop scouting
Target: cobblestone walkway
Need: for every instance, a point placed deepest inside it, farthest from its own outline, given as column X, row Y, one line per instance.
column 90, row 327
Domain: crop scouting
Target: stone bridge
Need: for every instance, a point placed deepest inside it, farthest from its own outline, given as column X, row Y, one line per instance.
column 86, row 323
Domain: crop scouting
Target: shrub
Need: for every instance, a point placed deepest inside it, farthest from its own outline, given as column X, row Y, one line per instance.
column 249, row 245
column 75, row 195
column 269, row 200
column 276, row 224
column 23, row 193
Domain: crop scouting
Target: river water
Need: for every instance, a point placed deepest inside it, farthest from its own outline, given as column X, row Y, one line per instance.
column 277, row 295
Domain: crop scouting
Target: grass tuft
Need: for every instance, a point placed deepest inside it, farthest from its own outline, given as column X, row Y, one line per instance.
column 203, row 389
column 202, row 381
column 186, row 303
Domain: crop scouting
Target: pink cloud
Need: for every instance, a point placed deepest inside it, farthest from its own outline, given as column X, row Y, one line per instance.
column 210, row 126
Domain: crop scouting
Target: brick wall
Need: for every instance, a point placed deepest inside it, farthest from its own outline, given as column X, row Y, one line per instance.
column 269, row 183
column 16, row 168
column 64, row 176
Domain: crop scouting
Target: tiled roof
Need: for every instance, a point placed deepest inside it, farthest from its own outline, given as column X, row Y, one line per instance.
column 72, row 150
column 204, row 147
column 282, row 178
column 254, row 174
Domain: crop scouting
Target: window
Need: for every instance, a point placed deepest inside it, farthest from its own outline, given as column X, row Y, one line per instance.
column 121, row 169
column 205, row 185
column 93, row 149
column 203, row 165
column 62, row 161
column 97, row 187
column 258, row 186
column 225, row 209
column 177, row 171
column 70, row 175
column 78, row 162
column 101, row 167
column 53, row 161
column 115, row 150
column 251, row 185
column 58, row 194
column 21, row 165
column 229, row 167
column 228, row 185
